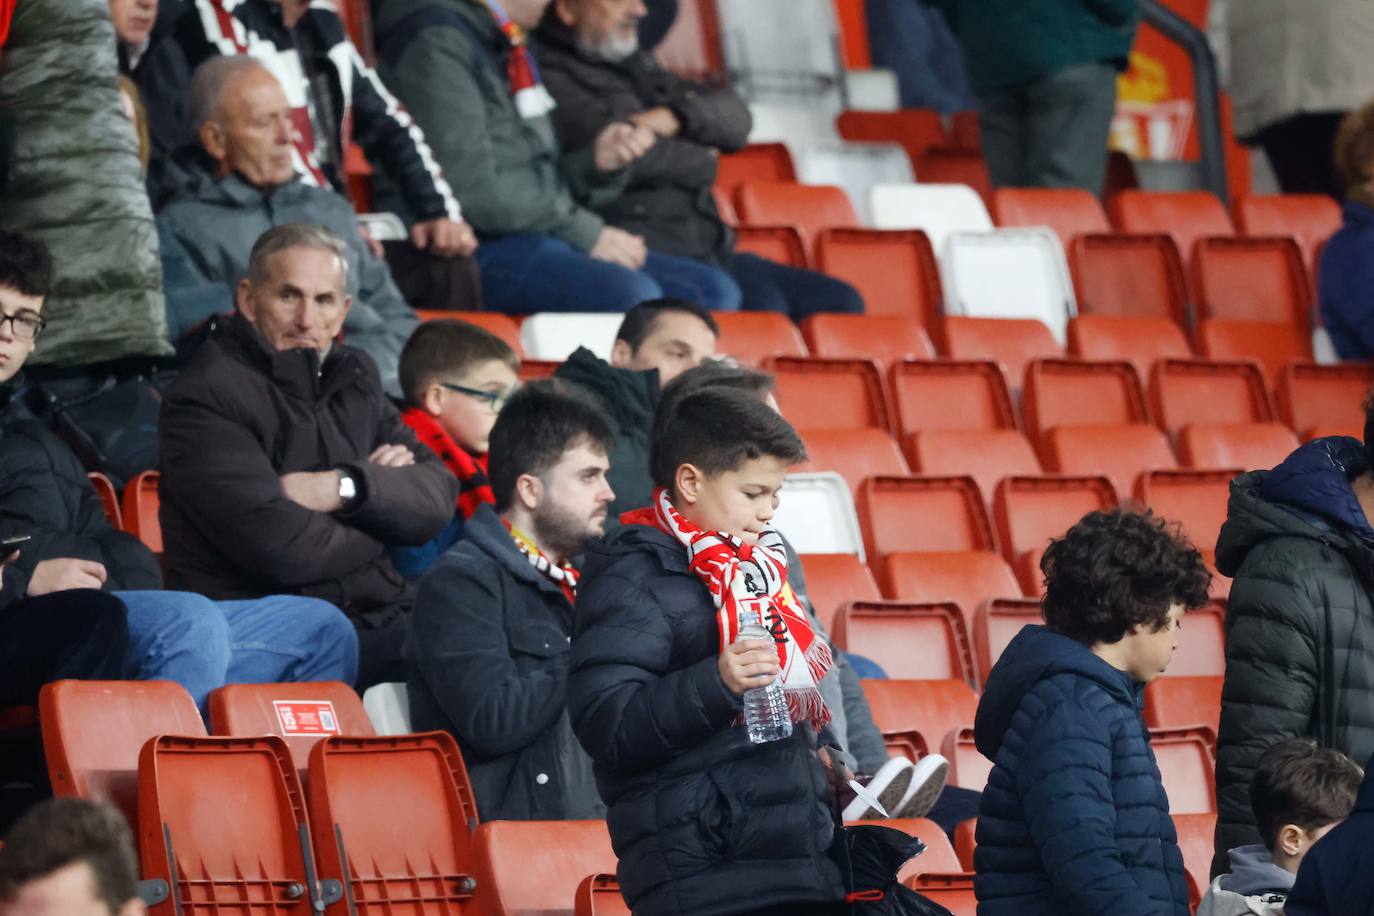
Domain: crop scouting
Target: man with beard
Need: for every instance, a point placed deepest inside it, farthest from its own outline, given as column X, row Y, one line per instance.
column 493, row 618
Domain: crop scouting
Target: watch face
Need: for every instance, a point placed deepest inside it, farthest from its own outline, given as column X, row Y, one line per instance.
column 347, row 489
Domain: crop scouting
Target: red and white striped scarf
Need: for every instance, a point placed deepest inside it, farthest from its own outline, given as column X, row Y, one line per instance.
column 752, row 578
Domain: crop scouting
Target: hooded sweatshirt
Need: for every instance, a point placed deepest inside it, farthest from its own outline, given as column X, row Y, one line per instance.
column 1255, row 886
column 1074, row 818
column 1300, row 623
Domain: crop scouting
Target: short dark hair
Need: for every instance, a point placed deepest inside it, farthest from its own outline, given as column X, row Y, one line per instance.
column 25, row 264
column 1298, row 782
column 639, row 321
column 1116, row 570
column 448, row 345
column 711, row 374
column 539, row 423
column 63, row 831
column 718, row 429
column 1353, row 147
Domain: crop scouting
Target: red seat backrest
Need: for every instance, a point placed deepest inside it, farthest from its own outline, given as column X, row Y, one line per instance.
column 968, row 769
column 1187, row 766
column 1310, row 219
column 968, row 578
column 756, row 162
column 1013, row 342
column 1252, row 280
column 894, row 270
column 996, row 623
column 1072, row 392
column 809, row 207
column 917, row 130
column 855, row 454
column 1185, row 215
column 560, row 853
column 1070, row 212
column 1141, row 340
column 300, row 714
column 1133, row 275
column 1196, row 499
column 932, row 708
column 599, row 895
column 783, row 244
column 830, row 393
column 1122, row 453
column 1029, row 511
column 1272, row 344
column 919, row 641
column 141, row 503
column 922, row 514
column 1311, row 396
column 1185, row 391
column 955, row 166
column 1184, row 701
column 835, row 578
column 1253, row 446
column 885, row 339
column 950, row 394
column 754, row 337
column 986, row 455
column 502, row 325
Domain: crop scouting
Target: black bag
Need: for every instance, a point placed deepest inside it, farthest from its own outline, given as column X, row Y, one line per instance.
column 869, row 857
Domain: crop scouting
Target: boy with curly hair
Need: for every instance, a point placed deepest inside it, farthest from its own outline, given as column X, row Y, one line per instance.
column 1074, row 818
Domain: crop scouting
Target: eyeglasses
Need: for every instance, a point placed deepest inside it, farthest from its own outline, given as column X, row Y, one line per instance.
column 25, row 327
column 495, row 399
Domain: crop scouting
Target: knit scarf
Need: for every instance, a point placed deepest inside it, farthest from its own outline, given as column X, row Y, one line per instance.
column 564, row 574
column 473, row 486
column 532, row 100
column 751, row 581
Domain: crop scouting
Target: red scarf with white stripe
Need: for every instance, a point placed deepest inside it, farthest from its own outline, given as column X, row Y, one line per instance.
column 751, row 580
column 532, row 100
column 474, row 489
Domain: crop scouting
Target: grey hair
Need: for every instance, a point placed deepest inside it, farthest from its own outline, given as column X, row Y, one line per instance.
column 295, row 235
column 207, row 87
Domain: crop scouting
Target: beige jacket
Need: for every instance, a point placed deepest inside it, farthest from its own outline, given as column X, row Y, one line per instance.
column 1293, row 57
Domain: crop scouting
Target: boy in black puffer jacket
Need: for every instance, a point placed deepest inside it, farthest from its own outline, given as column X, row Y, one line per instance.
column 705, row 822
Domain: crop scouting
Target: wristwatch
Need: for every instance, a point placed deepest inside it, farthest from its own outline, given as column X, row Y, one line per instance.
column 348, row 488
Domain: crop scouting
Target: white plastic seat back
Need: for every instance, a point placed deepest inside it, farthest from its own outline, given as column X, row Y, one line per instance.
column 388, row 706
column 816, row 514
column 1009, row 273
column 555, row 335
column 872, row 90
column 783, row 51
column 794, row 125
column 856, row 167
column 939, row 209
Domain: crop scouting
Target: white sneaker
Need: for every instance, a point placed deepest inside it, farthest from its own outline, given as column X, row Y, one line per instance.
column 890, row 784
column 927, row 782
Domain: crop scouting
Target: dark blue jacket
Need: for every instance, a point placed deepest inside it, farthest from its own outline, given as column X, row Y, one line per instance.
column 1074, row 819
column 1337, row 874
column 1345, row 282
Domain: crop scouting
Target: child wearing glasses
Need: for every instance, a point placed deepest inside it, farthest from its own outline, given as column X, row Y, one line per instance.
column 456, row 377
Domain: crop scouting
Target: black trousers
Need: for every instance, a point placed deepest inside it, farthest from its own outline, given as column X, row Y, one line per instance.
column 81, row 633
column 430, row 282
column 1300, row 151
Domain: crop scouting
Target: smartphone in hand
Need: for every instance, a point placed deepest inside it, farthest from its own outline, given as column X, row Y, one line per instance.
column 9, row 547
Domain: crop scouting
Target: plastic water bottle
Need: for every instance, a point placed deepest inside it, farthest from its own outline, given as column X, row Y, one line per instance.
column 765, row 708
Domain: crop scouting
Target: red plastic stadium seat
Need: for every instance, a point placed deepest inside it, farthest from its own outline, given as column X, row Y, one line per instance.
column 965, row 131
column 986, row 455
column 1310, row 219
column 932, row 708
column 894, row 270
column 301, row 714
column 810, row 207
column 560, row 853
column 854, row 454
column 1188, row 769
column 756, row 162
column 1070, row 392
column 968, row 769
column 1129, row 275
column 966, row 841
column 996, row 623
column 109, row 498
column 1070, row 212
column 1140, row 340
column 599, row 895
column 1312, row 397
column 725, row 206
column 141, row 510
column 502, row 325
column 1202, row 650
column 1196, row 840
column 919, row 641
column 830, row 393
column 1013, row 342
column 905, row 744
column 1273, row 345
column 224, row 823
column 968, row 578
column 917, row 130
column 1252, row 280
column 783, row 244
column 1183, row 702
column 1185, row 215
column 1029, row 511
column 93, row 731
column 939, row 855
column 532, row 369
column 885, row 339
column 1193, row 498
column 922, row 514
column 753, row 337
column 955, row 166
column 1256, row 446
column 1185, row 391
column 393, row 817
column 950, row 394
column 954, row 892
column 1122, row 453
column 835, row 578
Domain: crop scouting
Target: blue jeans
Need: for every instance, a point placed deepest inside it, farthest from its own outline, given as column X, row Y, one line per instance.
column 529, row 272
column 203, row 644
column 772, row 287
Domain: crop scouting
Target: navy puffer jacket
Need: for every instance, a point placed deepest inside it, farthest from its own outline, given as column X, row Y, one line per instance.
column 1074, row 818
column 703, row 822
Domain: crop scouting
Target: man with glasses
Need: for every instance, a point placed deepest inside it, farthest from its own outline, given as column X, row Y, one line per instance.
column 54, row 620
column 456, row 378
column 285, row 467
column 494, row 617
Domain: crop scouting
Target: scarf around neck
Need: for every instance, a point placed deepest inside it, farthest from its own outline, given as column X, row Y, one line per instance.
column 564, row 574
column 473, row 487
column 750, row 581
column 532, row 100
